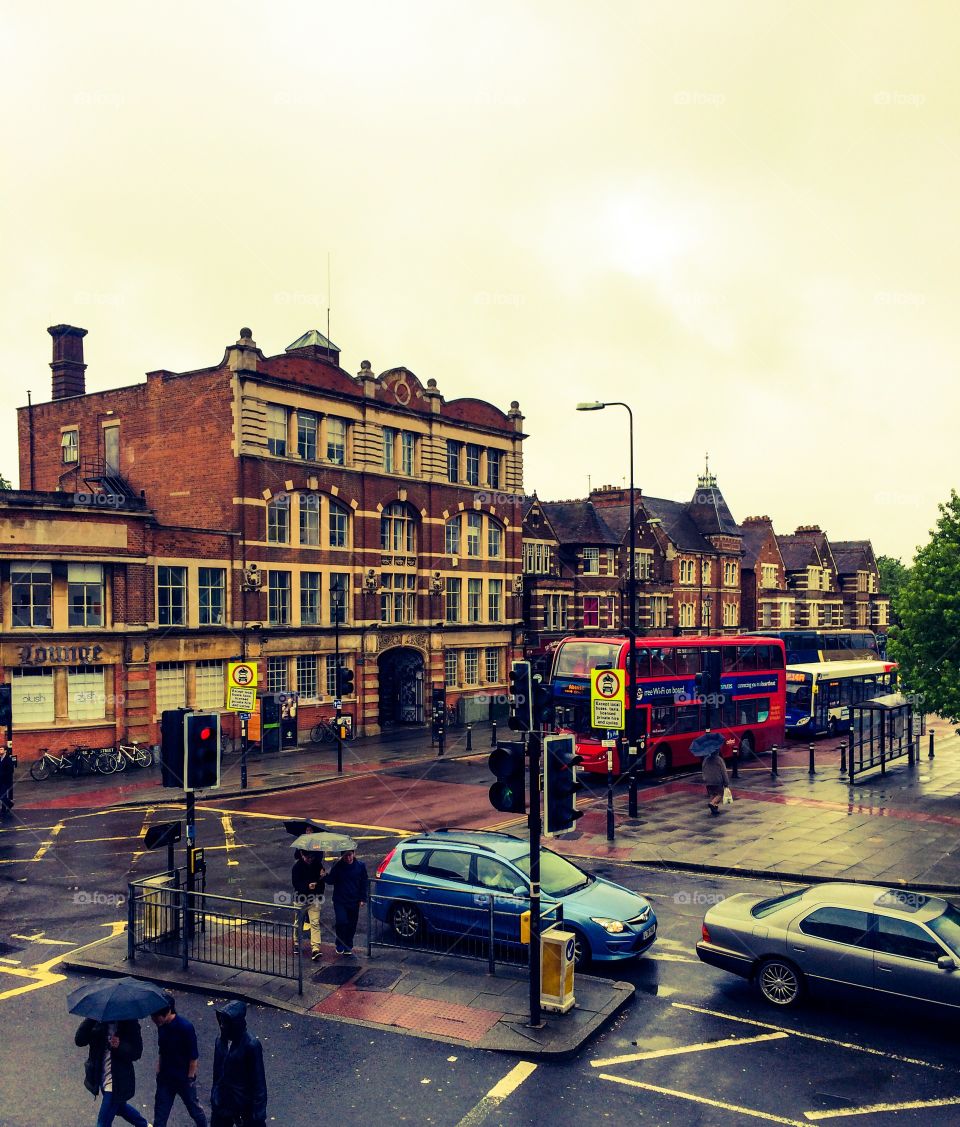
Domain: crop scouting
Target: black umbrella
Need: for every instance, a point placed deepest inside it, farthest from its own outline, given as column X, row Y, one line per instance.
column 117, row 999
column 707, row 744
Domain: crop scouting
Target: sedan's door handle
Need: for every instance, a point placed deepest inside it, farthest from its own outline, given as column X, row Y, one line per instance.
column 802, row 950
column 886, row 969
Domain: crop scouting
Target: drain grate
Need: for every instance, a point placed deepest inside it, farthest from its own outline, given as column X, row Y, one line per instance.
column 377, row 980
column 334, row 975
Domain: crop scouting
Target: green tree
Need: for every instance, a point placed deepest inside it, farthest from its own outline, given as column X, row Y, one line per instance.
column 893, row 575
column 927, row 643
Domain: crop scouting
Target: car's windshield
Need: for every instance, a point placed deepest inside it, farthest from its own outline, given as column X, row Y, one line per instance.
column 947, row 927
column 558, row 877
column 765, row 907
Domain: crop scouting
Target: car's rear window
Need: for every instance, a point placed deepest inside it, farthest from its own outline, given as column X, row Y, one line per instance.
column 765, row 907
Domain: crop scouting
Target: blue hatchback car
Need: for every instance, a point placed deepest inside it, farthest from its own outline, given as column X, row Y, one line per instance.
column 442, row 883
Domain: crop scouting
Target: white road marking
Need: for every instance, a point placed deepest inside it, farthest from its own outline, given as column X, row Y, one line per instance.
column 703, row 1100
column 653, row 1054
column 39, row 938
column 810, row 1036
column 666, row 957
column 816, row 1116
column 497, row 1094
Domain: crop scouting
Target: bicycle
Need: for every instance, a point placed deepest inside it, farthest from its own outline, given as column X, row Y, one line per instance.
column 96, row 760
column 133, row 753
column 325, row 730
column 50, row 764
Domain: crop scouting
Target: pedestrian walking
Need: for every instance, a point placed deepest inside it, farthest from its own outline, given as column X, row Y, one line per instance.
column 6, row 779
column 113, row 1047
column 716, row 780
column 238, row 1097
column 177, row 1064
column 308, row 882
column 349, row 881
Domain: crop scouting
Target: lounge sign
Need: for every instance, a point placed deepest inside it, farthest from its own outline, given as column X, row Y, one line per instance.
column 60, row 655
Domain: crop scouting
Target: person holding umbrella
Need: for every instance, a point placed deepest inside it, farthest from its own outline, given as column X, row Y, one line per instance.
column 307, row 877
column 713, row 770
column 111, row 1032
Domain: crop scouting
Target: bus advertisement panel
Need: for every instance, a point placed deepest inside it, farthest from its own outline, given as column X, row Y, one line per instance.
column 685, row 686
column 820, row 693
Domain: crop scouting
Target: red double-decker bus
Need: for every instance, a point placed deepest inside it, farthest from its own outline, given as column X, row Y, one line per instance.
column 685, row 686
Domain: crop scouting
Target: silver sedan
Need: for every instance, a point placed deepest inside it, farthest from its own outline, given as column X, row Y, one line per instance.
column 839, row 936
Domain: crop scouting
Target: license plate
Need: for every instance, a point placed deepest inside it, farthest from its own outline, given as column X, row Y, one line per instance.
column 651, row 930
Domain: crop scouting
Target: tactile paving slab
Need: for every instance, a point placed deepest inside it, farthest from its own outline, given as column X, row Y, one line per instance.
column 425, row 1015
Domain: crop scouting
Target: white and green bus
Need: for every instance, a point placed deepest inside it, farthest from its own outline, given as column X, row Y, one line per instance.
column 820, row 694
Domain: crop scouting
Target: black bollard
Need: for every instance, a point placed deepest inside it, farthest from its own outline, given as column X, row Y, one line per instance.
column 930, row 753
column 469, row 738
column 493, row 734
column 773, row 760
column 735, row 764
column 811, row 770
column 843, row 758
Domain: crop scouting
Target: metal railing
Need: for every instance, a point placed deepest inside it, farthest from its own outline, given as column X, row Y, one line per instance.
column 466, row 925
column 164, row 918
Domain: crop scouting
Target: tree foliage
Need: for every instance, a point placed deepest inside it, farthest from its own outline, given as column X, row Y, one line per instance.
column 893, row 575
column 927, row 643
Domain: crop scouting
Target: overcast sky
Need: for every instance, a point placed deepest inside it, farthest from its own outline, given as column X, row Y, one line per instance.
column 739, row 217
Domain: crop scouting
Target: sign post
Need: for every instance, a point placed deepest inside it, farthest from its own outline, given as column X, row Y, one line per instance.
column 242, row 679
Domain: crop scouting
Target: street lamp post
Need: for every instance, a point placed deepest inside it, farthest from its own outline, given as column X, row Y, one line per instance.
column 632, row 595
column 336, row 606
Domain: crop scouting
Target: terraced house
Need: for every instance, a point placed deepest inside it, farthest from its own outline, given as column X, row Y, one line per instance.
column 270, row 508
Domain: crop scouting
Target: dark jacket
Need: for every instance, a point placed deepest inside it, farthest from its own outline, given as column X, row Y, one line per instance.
column 304, row 874
column 239, row 1085
column 94, row 1034
column 6, row 771
column 714, row 772
column 349, row 882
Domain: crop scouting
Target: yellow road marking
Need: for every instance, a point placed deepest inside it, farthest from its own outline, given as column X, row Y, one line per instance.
column 809, row 1036
column 653, row 1054
column 123, row 837
column 45, row 845
column 912, row 1105
column 230, row 837
column 722, row 1104
column 38, row 938
column 497, row 1094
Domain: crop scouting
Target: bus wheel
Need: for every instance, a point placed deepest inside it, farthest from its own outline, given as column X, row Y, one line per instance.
column 661, row 760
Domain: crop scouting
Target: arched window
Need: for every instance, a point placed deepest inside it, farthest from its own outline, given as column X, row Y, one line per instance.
column 397, row 529
column 494, row 539
column 309, row 519
column 278, row 520
column 338, row 526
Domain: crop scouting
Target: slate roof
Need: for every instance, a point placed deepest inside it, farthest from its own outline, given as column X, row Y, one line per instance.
column 678, row 524
column 578, row 522
column 709, row 512
column 754, row 536
column 798, row 552
column 852, row 556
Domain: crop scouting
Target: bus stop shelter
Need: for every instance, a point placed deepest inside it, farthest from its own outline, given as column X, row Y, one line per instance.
column 882, row 731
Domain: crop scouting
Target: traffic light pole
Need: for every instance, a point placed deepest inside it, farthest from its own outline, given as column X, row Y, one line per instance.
column 191, row 817
column 243, row 754
column 337, row 590
column 533, row 749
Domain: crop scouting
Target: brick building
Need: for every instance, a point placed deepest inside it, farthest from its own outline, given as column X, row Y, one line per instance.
column 288, row 512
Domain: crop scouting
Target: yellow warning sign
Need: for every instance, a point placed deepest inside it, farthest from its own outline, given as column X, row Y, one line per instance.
column 607, row 698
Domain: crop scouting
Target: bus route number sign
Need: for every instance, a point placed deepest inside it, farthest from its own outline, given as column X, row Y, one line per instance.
column 607, row 698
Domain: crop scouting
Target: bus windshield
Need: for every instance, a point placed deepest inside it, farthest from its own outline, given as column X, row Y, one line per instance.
column 798, row 691
column 581, row 658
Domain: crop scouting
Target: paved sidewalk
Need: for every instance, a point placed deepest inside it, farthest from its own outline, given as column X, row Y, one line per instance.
column 451, row 1000
column 901, row 828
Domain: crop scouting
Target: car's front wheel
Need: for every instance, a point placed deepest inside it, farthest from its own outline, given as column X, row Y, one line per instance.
column 406, row 922
column 581, row 950
column 779, row 981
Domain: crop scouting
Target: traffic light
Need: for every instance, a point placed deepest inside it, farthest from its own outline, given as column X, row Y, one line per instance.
column 202, row 741
column 560, row 784
column 509, row 764
column 6, row 706
column 172, row 747
column 543, row 711
column 521, row 697
column 345, row 681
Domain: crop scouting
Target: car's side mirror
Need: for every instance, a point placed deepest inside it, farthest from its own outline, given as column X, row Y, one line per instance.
column 947, row 962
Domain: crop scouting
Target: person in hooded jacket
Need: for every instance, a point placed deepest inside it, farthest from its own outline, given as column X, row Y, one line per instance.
column 239, row 1094
column 715, row 779
column 113, row 1047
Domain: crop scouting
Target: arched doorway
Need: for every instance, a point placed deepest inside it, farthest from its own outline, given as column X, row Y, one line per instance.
column 401, row 687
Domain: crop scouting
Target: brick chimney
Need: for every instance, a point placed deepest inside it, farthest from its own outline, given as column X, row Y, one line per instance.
column 67, row 365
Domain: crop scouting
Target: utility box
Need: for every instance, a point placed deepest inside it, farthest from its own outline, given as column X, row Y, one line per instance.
column 556, row 970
